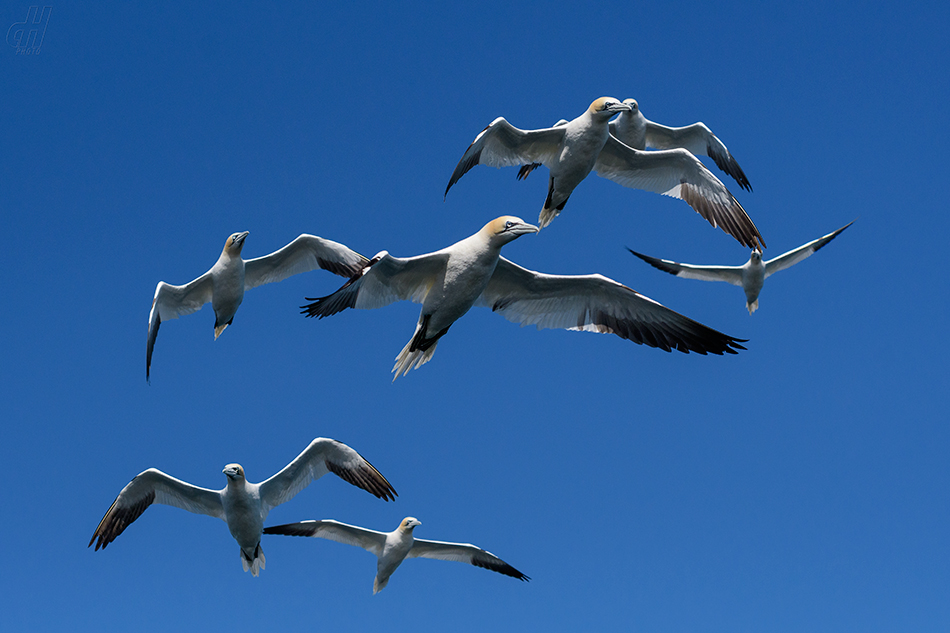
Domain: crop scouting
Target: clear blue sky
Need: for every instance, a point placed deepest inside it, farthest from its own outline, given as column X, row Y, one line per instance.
column 799, row 486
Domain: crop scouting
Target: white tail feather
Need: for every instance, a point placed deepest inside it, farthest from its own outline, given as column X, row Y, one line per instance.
column 407, row 360
column 256, row 565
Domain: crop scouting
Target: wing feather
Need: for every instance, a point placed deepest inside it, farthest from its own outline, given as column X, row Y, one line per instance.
column 796, row 255
column 594, row 303
column 463, row 553
column 171, row 302
column 323, row 456
column 729, row 274
column 383, row 281
column 370, row 540
column 305, row 253
column 679, row 174
column 698, row 139
column 154, row 486
column 503, row 145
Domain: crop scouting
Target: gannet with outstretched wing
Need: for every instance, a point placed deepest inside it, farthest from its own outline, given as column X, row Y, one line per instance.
column 638, row 132
column 472, row 272
column 750, row 276
column 224, row 285
column 573, row 149
column 391, row 548
column 241, row 504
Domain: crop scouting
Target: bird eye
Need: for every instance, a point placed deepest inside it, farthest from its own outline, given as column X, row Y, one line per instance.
column 508, row 225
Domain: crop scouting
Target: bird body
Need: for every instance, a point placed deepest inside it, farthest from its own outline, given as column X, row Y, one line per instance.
column 750, row 276
column 225, row 284
column 472, row 272
column 241, row 504
column 392, row 548
column 571, row 150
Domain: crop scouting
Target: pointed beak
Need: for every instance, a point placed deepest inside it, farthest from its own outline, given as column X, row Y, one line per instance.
column 240, row 238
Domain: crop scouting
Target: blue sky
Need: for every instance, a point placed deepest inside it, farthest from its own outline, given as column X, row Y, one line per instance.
column 798, row 486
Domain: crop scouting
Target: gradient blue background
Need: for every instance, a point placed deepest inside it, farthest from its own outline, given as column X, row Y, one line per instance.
column 799, row 486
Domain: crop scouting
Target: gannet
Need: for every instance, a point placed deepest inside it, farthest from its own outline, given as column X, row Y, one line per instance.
column 391, row 548
column 635, row 130
column 638, row 132
column 570, row 151
column 472, row 272
column 241, row 504
column 751, row 275
column 225, row 284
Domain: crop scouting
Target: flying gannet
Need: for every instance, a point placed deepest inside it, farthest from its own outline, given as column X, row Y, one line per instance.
column 391, row 548
column 635, row 130
column 751, row 275
column 231, row 276
column 241, row 504
column 472, row 272
column 570, row 151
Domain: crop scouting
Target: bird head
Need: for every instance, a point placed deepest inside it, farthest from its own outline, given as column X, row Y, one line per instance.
column 756, row 256
column 606, row 107
column 507, row 228
column 235, row 472
column 634, row 106
column 235, row 243
column 408, row 523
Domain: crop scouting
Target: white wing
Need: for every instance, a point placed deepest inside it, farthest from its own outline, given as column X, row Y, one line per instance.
column 370, row 540
column 171, row 302
column 805, row 250
column 154, row 486
column 729, row 274
column 698, row 139
column 679, row 174
column 385, row 280
column 503, row 145
column 321, row 457
column 306, row 253
column 463, row 553
column 594, row 303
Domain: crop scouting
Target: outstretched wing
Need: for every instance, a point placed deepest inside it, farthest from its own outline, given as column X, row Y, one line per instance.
column 306, row 253
column 594, row 303
column 154, row 486
column 805, row 250
column 729, row 274
column 679, row 174
column 370, row 540
column 321, row 457
column 503, row 145
column 463, row 553
column 384, row 280
column 698, row 139
column 171, row 302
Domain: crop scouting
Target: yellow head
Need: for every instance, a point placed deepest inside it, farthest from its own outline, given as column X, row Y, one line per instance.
column 235, row 243
column 235, row 472
column 606, row 107
column 507, row 228
column 408, row 523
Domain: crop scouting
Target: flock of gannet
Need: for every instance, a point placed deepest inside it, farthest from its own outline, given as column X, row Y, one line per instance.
column 448, row 283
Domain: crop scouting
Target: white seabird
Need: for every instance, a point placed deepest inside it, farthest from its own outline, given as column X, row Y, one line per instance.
column 241, row 504
column 472, row 272
column 225, row 284
column 638, row 132
column 570, row 151
column 750, row 276
column 391, row 548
